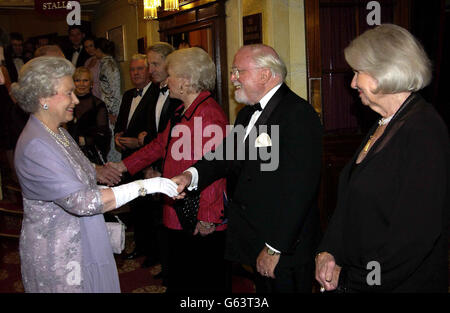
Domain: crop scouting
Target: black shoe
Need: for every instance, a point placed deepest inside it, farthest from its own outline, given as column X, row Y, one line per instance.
column 133, row 255
column 149, row 262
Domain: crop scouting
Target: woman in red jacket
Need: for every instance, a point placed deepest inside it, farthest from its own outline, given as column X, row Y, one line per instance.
column 196, row 262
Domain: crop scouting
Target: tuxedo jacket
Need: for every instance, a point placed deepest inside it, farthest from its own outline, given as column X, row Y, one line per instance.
column 139, row 121
column 167, row 111
column 393, row 207
column 11, row 67
column 82, row 58
column 277, row 207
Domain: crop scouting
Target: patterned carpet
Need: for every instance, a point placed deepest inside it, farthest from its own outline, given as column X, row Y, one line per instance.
column 133, row 278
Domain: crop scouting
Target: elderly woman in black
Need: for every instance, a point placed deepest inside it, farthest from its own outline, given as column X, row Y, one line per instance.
column 388, row 232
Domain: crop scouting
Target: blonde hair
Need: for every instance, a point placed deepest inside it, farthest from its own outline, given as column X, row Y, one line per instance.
column 80, row 70
column 391, row 55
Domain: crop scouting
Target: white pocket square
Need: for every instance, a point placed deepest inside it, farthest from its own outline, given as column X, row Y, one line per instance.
column 263, row 140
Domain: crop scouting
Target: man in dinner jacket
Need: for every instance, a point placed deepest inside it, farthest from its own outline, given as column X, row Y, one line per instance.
column 272, row 207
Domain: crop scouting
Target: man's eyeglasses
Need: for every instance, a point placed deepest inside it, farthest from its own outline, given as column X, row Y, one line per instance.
column 235, row 71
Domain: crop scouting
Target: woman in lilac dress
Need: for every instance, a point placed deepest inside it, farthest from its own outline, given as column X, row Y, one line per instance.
column 64, row 244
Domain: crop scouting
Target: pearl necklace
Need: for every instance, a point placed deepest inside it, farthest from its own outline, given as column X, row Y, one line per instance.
column 62, row 139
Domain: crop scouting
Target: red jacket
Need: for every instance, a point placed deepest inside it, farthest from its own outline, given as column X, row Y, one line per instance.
column 185, row 149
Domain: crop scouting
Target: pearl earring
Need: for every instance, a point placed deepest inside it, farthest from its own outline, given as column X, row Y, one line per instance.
column 45, row 106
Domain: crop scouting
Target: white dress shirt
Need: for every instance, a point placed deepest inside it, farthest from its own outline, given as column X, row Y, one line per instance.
column 159, row 106
column 263, row 102
column 135, row 102
column 75, row 56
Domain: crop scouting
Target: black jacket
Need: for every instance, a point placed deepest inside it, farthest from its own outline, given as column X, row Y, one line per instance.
column 276, row 207
column 82, row 58
column 139, row 121
column 393, row 207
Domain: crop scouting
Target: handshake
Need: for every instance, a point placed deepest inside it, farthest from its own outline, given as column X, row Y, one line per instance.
column 111, row 173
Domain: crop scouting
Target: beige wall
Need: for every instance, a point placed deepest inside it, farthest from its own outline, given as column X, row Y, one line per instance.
column 283, row 27
column 112, row 14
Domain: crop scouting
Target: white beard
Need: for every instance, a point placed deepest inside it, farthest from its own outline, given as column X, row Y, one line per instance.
column 241, row 97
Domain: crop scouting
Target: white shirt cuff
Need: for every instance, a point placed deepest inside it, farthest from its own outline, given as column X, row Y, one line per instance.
column 194, row 180
column 267, row 245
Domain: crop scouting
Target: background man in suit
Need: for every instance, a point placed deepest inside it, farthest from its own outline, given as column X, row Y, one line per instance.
column 132, row 120
column 165, row 106
column 76, row 52
column 273, row 215
column 14, row 56
column 158, row 120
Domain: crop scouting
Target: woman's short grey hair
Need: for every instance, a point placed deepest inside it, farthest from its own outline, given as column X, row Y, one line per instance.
column 266, row 57
column 39, row 78
column 391, row 55
column 195, row 65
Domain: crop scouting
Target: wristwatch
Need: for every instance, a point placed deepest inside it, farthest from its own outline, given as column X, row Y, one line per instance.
column 271, row 252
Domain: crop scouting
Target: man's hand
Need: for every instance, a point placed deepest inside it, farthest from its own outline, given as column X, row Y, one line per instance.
column 183, row 180
column 117, row 141
column 266, row 263
column 327, row 271
column 141, row 138
column 108, row 175
column 129, row 142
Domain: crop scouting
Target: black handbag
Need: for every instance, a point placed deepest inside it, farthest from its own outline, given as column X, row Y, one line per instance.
column 187, row 210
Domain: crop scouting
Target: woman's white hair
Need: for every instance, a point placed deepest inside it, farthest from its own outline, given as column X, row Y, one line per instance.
column 195, row 65
column 39, row 78
column 391, row 55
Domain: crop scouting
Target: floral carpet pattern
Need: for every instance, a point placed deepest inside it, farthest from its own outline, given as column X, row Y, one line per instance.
column 133, row 278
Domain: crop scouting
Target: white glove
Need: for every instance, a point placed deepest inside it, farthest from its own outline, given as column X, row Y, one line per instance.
column 127, row 192
column 160, row 184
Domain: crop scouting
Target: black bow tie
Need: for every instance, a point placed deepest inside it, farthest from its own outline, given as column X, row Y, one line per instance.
column 137, row 92
column 164, row 89
column 76, row 50
column 250, row 110
column 256, row 107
